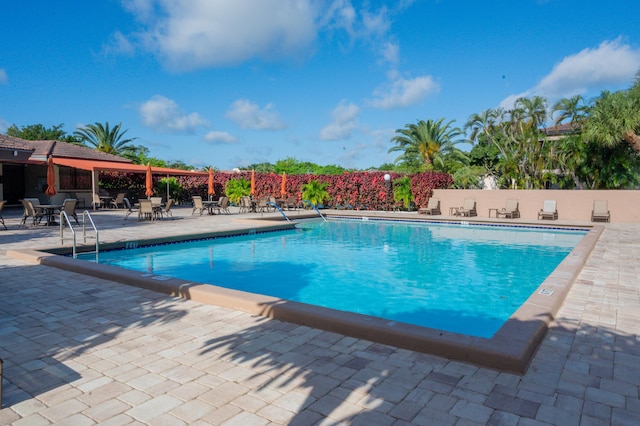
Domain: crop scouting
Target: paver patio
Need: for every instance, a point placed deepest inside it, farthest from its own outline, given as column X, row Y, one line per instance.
column 80, row 350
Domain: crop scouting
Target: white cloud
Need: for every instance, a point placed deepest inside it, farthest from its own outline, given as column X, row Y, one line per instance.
column 162, row 113
column 202, row 33
column 220, row 138
column 390, row 53
column 402, row 93
column 118, row 44
column 345, row 120
column 4, row 79
column 4, row 125
column 612, row 63
column 249, row 116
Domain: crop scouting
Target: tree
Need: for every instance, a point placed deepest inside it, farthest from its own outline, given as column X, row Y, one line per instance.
column 574, row 108
column 37, row 132
column 615, row 118
column 104, row 139
column 315, row 192
column 425, row 144
column 402, row 191
column 237, row 188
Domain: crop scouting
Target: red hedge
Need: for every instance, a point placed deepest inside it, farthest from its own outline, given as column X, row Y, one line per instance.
column 358, row 190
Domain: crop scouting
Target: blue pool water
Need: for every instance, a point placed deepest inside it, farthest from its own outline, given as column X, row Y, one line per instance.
column 464, row 279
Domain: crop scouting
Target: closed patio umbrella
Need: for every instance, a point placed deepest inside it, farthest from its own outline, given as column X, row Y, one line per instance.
column 210, row 190
column 253, row 182
column 51, row 178
column 283, row 189
column 148, row 182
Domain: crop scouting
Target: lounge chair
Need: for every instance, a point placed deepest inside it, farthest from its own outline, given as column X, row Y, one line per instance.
column 468, row 208
column 262, row 205
column 600, row 212
column 433, row 207
column 31, row 212
column 510, row 210
column 2, row 203
column 119, row 201
column 548, row 211
column 197, row 204
column 127, row 205
column 69, row 207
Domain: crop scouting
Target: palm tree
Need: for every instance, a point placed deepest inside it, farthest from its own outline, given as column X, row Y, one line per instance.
column 104, row 139
column 315, row 192
column 426, row 143
column 615, row 118
column 574, row 108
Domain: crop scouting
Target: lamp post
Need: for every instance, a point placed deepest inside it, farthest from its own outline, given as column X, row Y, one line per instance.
column 387, row 184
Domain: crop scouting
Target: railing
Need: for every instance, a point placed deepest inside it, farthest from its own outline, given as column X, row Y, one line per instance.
column 85, row 215
column 277, row 207
column 313, row 206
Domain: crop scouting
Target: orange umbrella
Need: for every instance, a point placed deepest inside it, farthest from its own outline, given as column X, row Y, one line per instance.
column 210, row 190
column 51, row 178
column 148, row 183
column 283, row 189
column 253, row 182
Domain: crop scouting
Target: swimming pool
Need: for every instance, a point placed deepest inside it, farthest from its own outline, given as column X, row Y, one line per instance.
column 461, row 279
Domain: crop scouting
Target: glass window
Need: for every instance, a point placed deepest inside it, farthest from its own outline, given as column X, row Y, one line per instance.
column 74, row 179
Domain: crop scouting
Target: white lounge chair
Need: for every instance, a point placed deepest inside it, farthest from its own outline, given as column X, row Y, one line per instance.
column 549, row 210
column 510, row 210
column 600, row 212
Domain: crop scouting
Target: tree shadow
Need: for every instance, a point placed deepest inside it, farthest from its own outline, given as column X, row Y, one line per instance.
column 44, row 323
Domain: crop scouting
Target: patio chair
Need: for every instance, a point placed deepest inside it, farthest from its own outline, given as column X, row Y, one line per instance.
column 223, row 205
column 262, row 205
column 167, row 209
column 2, row 203
column 549, row 210
column 119, row 201
column 510, row 210
column 146, row 210
column 197, row 204
column 291, row 203
column 127, row 205
column 96, row 201
column 468, row 208
column 600, row 212
column 69, row 207
column 433, row 207
column 31, row 212
column 245, row 204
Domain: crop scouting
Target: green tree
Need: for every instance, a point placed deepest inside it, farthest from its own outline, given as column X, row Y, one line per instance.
column 315, row 192
column 574, row 109
column 426, row 143
column 38, row 132
column 615, row 119
column 104, row 139
column 402, row 191
column 237, row 188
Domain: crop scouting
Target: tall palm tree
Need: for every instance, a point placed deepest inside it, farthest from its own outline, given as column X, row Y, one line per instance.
column 574, row 109
column 104, row 139
column 426, row 142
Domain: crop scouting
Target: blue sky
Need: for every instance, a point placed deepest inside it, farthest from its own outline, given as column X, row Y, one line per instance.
column 231, row 83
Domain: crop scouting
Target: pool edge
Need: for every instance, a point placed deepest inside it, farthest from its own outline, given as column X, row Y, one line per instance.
column 510, row 349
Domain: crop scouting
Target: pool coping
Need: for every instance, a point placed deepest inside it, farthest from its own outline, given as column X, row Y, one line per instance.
column 510, row 349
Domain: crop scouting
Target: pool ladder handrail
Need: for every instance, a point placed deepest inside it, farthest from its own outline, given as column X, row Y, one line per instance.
column 315, row 208
column 277, row 207
column 85, row 215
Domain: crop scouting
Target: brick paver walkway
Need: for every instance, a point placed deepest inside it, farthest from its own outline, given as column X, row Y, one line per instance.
column 80, row 351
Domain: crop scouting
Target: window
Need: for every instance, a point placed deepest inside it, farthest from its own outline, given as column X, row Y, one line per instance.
column 74, row 179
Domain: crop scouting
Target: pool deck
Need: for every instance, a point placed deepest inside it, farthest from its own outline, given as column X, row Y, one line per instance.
column 116, row 354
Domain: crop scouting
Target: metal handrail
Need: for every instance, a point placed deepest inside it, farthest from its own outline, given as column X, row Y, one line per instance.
column 315, row 208
column 64, row 217
column 277, row 207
